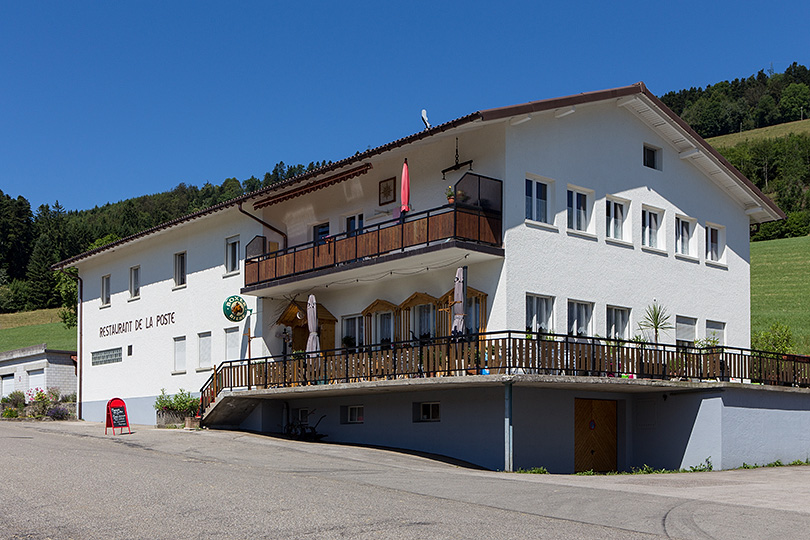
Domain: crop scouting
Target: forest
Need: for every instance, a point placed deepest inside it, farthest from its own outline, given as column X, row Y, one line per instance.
column 31, row 241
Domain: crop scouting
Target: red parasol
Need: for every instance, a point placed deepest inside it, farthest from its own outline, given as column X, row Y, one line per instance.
column 405, row 187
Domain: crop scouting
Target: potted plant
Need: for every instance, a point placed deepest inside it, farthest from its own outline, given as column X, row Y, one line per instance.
column 451, row 195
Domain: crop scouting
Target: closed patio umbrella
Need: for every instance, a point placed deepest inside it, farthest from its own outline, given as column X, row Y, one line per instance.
column 405, row 188
column 313, row 342
column 459, row 302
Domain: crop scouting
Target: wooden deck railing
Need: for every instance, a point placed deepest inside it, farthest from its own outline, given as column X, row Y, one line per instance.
column 471, row 224
column 508, row 353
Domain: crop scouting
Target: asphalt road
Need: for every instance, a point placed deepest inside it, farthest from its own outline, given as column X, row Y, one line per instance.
column 67, row 480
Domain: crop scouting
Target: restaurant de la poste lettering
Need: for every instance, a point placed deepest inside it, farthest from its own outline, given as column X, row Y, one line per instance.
column 135, row 325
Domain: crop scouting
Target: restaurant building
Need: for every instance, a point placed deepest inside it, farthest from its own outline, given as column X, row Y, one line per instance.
column 569, row 217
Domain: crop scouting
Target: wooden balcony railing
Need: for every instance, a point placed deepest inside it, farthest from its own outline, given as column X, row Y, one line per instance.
column 508, row 352
column 470, row 224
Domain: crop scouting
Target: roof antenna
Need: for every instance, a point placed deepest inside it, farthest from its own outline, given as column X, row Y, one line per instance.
column 424, row 119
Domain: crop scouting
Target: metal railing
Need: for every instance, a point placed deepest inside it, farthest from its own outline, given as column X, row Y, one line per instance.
column 507, row 352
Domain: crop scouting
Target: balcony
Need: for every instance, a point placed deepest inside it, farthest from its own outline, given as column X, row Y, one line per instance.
column 472, row 222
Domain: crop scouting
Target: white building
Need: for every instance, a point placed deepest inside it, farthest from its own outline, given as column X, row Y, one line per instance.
column 572, row 216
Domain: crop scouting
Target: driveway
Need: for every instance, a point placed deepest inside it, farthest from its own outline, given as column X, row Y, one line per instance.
column 70, row 480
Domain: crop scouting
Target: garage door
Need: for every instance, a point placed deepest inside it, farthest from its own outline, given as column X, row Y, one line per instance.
column 594, row 435
column 8, row 384
column 36, row 378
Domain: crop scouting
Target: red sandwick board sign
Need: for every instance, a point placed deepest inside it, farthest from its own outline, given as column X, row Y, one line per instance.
column 117, row 416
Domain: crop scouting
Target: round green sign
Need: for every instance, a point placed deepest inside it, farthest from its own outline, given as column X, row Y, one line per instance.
column 235, row 308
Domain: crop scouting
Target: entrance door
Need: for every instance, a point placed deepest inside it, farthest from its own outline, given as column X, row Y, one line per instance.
column 594, row 435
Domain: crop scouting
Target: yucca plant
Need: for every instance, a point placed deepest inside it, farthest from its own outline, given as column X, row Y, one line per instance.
column 656, row 319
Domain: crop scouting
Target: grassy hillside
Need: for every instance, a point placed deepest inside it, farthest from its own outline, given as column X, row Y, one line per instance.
column 780, row 287
column 770, row 132
column 33, row 328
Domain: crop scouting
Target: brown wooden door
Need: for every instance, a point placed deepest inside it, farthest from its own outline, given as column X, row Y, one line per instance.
column 594, row 435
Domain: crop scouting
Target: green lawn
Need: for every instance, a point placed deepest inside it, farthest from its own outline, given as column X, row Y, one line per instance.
column 780, row 287
column 55, row 335
column 770, row 132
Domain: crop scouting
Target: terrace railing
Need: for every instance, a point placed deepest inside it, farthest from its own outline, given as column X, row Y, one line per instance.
column 474, row 217
column 508, row 352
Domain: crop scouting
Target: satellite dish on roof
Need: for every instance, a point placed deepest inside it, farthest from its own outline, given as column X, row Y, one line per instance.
column 424, row 119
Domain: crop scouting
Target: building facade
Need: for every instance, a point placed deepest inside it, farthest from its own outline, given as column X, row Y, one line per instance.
column 571, row 216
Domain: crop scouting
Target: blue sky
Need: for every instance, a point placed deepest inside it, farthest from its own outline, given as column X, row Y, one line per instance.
column 103, row 101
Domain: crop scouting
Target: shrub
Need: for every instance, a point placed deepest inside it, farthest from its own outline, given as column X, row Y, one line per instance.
column 69, row 398
column 10, row 413
column 181, row 403
column 53, row 393
column 16, row 399
column 778, row 338
column 58, row 412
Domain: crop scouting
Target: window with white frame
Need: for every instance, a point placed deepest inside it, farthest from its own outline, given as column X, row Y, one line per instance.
column 683, row 236
column 618, row 322
column 180, row 269
column 579, row 318
column 355, row 414
column 715, row 242
column 232, row 344
column 354, row 224
column 384, row 327
column 427, row 411
column 424, row 320
column 105, row 290
column 650, row 223
column 180, row 354
column 232, row 254
column 615, row 213
column 685, row 331
column 652, row 157
column 577, row 210
column 135, row 282
column 539, row 313
column 352, row 331
column 320, row 232
column 204, row 350
column 716, row 332
column 537, row 194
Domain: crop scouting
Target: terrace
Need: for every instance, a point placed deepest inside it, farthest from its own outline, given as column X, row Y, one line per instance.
column 508, row 353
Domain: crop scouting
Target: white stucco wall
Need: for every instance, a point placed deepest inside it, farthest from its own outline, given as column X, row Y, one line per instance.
column 599, row 148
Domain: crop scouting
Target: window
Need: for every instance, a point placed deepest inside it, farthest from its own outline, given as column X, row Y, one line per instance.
column 424, row 320
column 577, row 210
column 472, row 321
column 232, row 254
column 618, row 321
column 716, row 330
column 354, row 224
column 649, row 227
column 428, row 411
column 135, row 282
column 105, row 290
column 109, row 356
column 614, row 219
column 579, row 318
column 204, row 350
column 180, row 269
column 715, row 243
column 353, row 331
column 685, row 331
column 539, row 313
column 180, row 354
column 301, row 416
column 683, row 234
column 320, row 232
column 652, row 157
column 232, row 344
column 537, row 201
column 351, row 414
column 384, row 327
